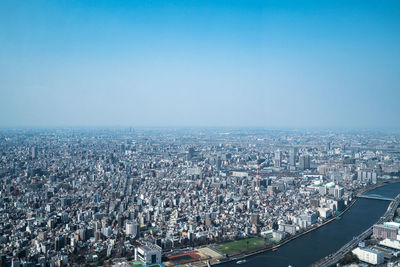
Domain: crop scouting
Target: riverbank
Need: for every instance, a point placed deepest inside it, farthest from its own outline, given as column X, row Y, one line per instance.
column 284, row 242
column 331, row 259
column 313, row 228
column 229, row 261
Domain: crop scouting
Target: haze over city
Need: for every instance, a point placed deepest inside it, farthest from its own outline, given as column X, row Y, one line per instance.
column 199, row 133
column 200, row 63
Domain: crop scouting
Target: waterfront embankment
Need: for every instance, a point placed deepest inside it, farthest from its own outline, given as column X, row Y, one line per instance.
column 310, row 246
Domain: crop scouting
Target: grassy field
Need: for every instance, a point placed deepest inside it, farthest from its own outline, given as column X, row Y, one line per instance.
column 240, row 246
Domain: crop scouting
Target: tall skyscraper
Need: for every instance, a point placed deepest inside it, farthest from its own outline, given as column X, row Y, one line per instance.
column 190, row 153
column 338, row 192
column 58, row 243
column 304, row 162
column 328, row 146
column 33, row 152
column 292, row 156
column 277, row 159
column 218, row 163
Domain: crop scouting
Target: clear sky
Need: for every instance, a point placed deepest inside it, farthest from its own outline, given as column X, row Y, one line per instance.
column 200, row 63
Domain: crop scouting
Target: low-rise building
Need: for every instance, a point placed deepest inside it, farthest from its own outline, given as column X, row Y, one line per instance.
column 369, row 255
column 382, row 231
column 148, row 254
column 390, row 243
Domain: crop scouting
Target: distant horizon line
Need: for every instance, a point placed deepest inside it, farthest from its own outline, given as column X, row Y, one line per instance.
column 197, row 127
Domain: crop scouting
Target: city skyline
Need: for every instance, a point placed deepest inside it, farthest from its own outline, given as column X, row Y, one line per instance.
column 209, row 63
column 167, row 197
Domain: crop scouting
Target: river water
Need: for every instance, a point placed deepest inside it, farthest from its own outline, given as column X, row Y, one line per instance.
column 327, row 239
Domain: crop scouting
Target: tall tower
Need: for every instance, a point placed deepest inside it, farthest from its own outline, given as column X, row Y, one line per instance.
column 292, row 156
column 277, row 159
column 258, row 178
column 219, row 163
column 304, row 162
column 190, row 153
column 33, row 152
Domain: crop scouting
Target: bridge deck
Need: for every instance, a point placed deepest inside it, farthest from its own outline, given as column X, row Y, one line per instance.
column 377, row 197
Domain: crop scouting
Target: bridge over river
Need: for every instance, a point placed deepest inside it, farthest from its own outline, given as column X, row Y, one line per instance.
column 375, row 196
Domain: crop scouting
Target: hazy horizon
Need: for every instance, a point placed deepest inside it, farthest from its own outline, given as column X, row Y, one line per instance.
column 269, row 64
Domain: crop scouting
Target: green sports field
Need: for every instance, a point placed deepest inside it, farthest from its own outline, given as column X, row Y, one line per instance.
column 240, row 246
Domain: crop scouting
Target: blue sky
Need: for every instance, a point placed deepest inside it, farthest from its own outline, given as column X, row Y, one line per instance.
column 200, row 63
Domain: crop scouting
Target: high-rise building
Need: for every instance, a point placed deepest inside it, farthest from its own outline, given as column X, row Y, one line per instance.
column 277, row 159
column 82, row 234
column 309, row 218
column 190, row 153
column 220, row 199
column 338, row 192
column 292, row 156
column 132, row 228
column 250, row 204
column 254, row 219
column 15, row 263
column 58, row 243
column 129, row 228
column 33, row 152
column 218, row 163
column 208, row 221
column 304, row 162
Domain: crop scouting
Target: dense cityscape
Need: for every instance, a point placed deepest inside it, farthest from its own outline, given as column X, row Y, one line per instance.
column 188, row 196
column 199, row 133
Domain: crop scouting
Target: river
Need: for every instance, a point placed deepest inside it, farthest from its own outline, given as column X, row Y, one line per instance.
column 315, row 245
